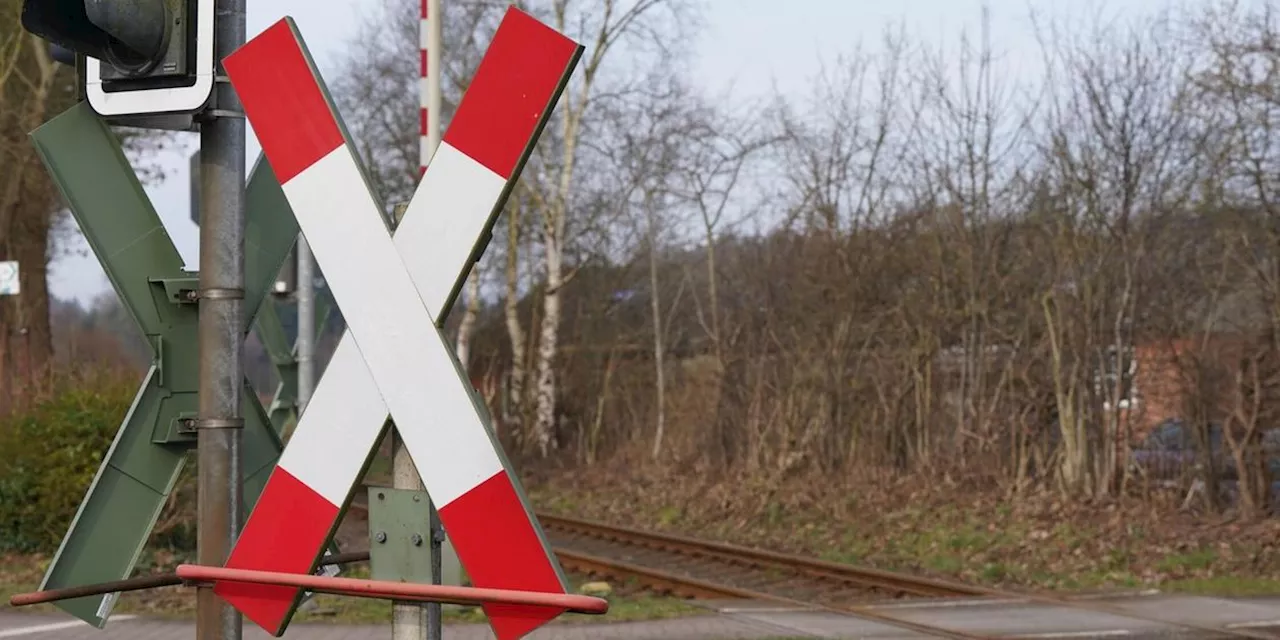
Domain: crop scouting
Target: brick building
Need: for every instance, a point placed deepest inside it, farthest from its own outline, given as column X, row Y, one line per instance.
column 1167, row 377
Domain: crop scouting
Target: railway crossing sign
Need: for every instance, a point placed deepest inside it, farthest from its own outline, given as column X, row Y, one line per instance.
column 394, row 291
column 140, row 469
column 9, row 284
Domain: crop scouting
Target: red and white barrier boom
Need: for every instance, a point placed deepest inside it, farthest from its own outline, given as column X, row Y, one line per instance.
column 391, row 291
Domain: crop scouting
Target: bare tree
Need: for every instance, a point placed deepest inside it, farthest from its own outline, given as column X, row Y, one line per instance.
column 653, row 130
column 971, row 156
column 603, row 27
column 1239, row 101
column 1119, row 146
column 719, row 147
column 32, row 87
column 845, row 158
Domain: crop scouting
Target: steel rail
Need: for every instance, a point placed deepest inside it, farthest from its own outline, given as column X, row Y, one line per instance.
column 861, row 576
column 642, row 538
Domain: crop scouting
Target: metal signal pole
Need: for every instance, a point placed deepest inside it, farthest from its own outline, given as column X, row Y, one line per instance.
column 221, row 294
column 407, row 619
column 306, row 343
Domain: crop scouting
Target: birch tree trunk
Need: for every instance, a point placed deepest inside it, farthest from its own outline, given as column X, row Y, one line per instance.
column 548, row 337
column 514, row 406
column 659, row 364
column 607, row 22
column 469, row 316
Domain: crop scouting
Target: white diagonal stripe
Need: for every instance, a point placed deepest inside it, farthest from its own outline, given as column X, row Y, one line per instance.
column 407, row 357
column 440, row 228
column 339, row 429
column 448, row 213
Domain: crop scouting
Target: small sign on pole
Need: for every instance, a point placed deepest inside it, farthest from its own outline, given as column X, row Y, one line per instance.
column 9, row 278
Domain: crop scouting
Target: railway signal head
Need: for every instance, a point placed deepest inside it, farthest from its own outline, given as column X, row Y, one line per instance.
column 141, row 56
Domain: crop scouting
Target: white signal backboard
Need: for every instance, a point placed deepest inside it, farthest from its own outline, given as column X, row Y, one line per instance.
column 9, row 278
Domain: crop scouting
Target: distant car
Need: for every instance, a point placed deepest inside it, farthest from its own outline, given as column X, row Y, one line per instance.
column 1171, row 450
column 1170, row 453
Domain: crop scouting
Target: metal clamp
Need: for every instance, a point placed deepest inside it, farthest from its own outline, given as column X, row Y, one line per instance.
column 220, row 423
column 223, row 113
column 216, row 293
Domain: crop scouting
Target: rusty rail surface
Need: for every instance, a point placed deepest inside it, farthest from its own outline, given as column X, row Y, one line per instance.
column 846, row 575
column 689, row 586
column 755, row 566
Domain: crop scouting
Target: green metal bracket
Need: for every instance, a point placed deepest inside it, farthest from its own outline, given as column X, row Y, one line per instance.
column 142, row 466
column 398, row 535
column 284, row 404
column 398, row 543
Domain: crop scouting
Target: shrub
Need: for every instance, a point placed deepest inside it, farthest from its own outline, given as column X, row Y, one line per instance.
column 49, row 454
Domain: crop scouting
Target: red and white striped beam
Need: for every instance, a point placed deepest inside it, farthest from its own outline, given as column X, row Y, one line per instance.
column 392, row 290
column 424, row 90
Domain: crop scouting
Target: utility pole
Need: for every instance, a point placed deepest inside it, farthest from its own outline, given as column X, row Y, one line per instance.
column 408, row 621
column 221, row 371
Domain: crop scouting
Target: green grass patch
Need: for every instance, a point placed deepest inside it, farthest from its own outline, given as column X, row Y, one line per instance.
column 1198, row 560
column 641, row 608
column 944, row 563
column 1228, row 586
column 348, row 610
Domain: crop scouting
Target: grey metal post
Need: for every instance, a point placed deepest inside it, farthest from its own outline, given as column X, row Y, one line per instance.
column 221, row 377
column 435, row 623
column 305, row 356
column 407, row 619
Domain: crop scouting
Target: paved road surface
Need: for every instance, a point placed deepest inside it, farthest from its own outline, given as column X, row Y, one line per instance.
column 745, row 620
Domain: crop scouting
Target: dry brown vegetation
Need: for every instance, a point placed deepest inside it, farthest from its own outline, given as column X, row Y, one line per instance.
column 959, row 275
column 930, row 272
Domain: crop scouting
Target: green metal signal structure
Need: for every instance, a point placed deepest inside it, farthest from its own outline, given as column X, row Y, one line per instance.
column 142, row 466
column 283, row 409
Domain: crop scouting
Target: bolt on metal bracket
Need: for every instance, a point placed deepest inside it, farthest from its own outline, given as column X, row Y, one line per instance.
column 397, row 522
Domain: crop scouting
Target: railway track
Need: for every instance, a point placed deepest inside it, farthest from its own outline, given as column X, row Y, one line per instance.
column 703, row 569
column 694, row 568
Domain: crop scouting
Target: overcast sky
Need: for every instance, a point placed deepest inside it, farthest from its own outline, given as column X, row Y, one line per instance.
column 749, row 45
